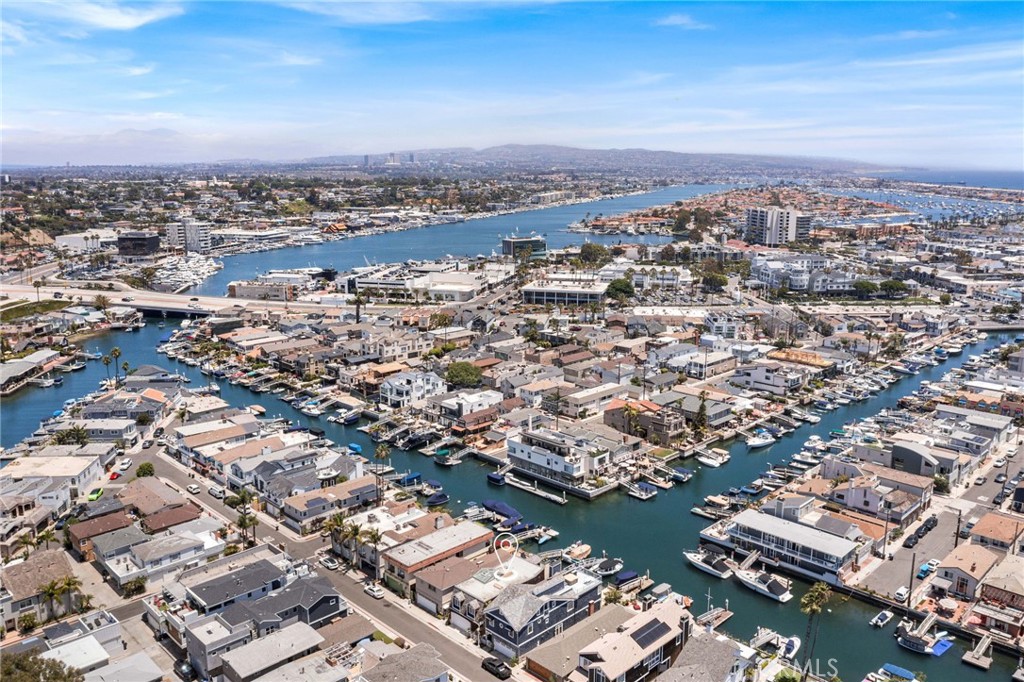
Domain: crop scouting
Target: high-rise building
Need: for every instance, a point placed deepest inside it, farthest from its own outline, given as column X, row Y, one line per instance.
column 772, row 226
column 190, row 235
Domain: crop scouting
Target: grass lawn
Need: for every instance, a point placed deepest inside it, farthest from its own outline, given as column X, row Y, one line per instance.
column 19, row 310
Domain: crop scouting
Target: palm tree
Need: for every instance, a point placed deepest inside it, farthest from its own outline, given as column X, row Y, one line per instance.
column 373, row 537
column 47, row 536
column 50, row 592
column 106, row 364
column 84, row 602
column 811, row 605
column 125, row 366
column 70, row 585
column 350, row 535
column 246, row 521
column 115, row 353
column 38, row 284
column 334, row 525
column 28, row 542
column 382, row 452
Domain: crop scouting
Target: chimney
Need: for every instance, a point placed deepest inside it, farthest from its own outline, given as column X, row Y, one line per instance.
column 974, row 565
column 439, row 522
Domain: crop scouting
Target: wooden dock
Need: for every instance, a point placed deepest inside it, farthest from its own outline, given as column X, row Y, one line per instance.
column 714, row 617
column 534, row 490
column 981, row 655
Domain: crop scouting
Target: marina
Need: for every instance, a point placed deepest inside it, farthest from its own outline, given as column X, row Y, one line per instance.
column 617, row 535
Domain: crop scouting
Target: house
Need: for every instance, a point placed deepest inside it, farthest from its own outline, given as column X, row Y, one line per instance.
column 963, row 569
column 769, row 377
column 82, row 534
column 421, row 663
column 169, row 518
column 402, row 389
column 639, row 649
column 78, row 473
column 523, row 617
column 402, row 563
column 999, row 531
column 660, row 425
column 260, row 656
column 472, row 597
column 558, row 659
column 307, row 511
column 1001, row 607
column 149, row 495
column 20, row 584
column 105, row 430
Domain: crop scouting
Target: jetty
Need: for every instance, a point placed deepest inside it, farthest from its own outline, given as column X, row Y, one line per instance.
column 714, row 617
column 981, row 655
column 534, row 490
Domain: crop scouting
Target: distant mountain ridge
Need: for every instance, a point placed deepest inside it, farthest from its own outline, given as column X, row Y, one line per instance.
column 553, row 157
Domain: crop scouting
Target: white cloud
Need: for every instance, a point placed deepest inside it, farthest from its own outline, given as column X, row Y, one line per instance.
column 106, row 15
column 910, row 35
column 143, row 70
column 684, row 21
column 148, row 94
column 366, row 13
column 292, row 59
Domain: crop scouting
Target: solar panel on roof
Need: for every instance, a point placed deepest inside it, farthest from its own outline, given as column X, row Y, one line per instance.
column 650, row 633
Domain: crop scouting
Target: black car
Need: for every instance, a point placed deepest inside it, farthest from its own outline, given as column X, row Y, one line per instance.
column 999, row 499
column 497, row 667
column 911, row 541
column 159, row 431
column 77, row 510
column 184, row 670
column 932, row 521
column 921, row 532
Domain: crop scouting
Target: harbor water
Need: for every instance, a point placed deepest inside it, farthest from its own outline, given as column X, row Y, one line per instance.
column 648, row 536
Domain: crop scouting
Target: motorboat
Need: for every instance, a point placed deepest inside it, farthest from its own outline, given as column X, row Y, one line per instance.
column 577, row 551
column 608, row 567
column 710, row 559
column 437, row 499
column 764, row 583
column 760, row 439
column 891, row 673
column 881, row 619
column 681, row 475
column 713, row 458
column 790, row 647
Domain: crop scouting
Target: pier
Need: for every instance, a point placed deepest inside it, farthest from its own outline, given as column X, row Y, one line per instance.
column 981, row 655
column 534, row 490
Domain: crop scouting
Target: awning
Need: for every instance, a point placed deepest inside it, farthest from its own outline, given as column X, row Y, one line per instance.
column 942, row 584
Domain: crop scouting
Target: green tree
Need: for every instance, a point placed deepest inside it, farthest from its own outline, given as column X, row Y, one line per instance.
column 26, row 624
column 715, row 281
column 38, row 284
column 613, row 596
column 865, row 288
column 682, row 222
column 373, row 537
column 248, row 521
column 70, row 585
column 620, row 289
column 134, row 587
column 463, row 374
column 945, row 299
column 700, row 420
column 144, row 419
column 47, row 536
column 76, row 435
column 106, row 364
column 941, row 484
column 28, row 666
column 892, row 287
column 811, row 605
column 51, row 593
column 115, row 353
column 101, row 302
column 145, row 469
column 668, row 254
column 380, row 453
column 594, row 254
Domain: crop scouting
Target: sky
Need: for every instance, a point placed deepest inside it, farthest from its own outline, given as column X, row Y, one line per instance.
column 936, row 85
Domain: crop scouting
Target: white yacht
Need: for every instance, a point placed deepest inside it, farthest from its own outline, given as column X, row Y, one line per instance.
column 710, row 560
column 768, row 584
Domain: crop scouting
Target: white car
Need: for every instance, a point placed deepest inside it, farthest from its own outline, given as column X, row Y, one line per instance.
column 902, row 594
column 193, row 488
column 1001, row 462
column 125, row 464
column 934, row 563
column 329, row 562
column 374, row 590
column 246, row 510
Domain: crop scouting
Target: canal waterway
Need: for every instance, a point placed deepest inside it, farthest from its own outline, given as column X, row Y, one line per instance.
column 469, row 238
column 648, row 536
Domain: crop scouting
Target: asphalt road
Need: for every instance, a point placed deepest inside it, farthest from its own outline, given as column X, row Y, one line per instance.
column 892, row 575
column 386, row 611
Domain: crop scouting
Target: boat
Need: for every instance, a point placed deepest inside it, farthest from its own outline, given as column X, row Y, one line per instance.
column 642, row 490
column 437, row 499
column 713, row 458
column 791, row 646
column 608, row 567
column 681, row 475
column 917, row 639
column 881, row 619
column 760, row 439
column 72, row 367
column 44, row 382
column 577, row 551
column 891, row 673
column 710, row 559
column 764, row 583
column 954, row 349
column 432, row 487
column 900, row 368
column 755, row 487
column 494, row 478
column 940, row 352
column 983, row 336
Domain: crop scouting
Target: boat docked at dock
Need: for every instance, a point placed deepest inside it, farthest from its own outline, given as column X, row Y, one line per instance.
column 881, row 619
column 710, row 559
column 714, row 458
column 891, row 673
column 766, row 584
column 577, row 551
column 759, row 439
column 681, row 475
column 790, row 647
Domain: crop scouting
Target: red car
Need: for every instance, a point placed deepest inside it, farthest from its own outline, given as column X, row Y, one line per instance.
column 115, row 475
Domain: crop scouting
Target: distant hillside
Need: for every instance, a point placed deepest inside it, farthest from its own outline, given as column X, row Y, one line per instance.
column 553, row 157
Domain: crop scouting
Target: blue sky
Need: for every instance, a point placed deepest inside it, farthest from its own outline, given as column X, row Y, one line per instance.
column 924, row 84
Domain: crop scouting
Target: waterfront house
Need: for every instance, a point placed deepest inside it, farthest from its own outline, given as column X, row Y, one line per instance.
column 769, row 377
column 1001, row 605
column 124, row 431
column 591, row 401
column 436, row 584
column 640, row 649
column 557, row 660
column 402, row 389
column 523, row 617
column 646, row 419
column 307, row 511
column 471, row 597
column 20, row 586
column 402, row 563
column 804, row 549
column 151, row 402
column 963, row 569
column 23, row 512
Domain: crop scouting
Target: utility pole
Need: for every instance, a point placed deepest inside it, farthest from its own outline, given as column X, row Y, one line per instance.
column 956, row 536
column 910, row 587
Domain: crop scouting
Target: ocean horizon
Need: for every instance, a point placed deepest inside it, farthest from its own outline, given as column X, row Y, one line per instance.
column 970, row 178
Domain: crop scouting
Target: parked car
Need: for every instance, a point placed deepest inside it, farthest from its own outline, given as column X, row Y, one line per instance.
column 1000, row 477
column 194, row 298
column 910, row 541
column 923, row 570
column 159, row 431
column 932, row 521
column 374, row 590
column 95, row 494
column 1001, row 462
column 125, row 464
column 933, row 564
column 193, row 488
column 114, row 475
column 922, row 531
column 497, row 667
column 329, row 562
column 902, row 594
column 216, row 491
column 184, row 670
column 147, row 444
column 980, row 480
